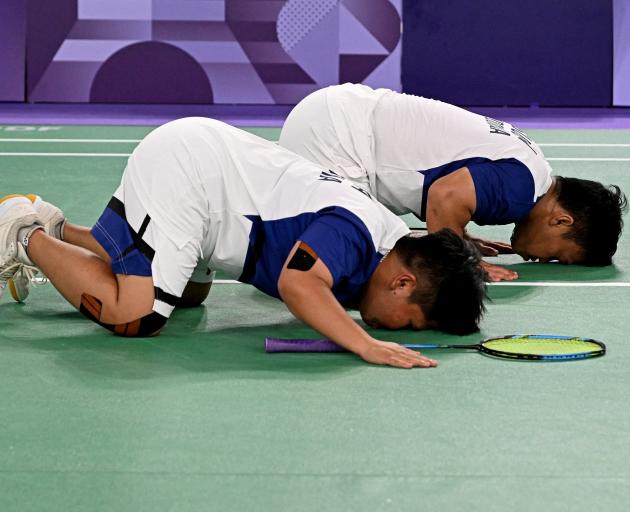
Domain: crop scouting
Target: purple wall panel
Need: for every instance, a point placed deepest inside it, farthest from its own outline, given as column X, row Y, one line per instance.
column 509, row 53
column 43, row 38
column 205, row 51
column 12, row 49
column 621, row 76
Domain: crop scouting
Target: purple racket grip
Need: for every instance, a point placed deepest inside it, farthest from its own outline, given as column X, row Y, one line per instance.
column 283, row 345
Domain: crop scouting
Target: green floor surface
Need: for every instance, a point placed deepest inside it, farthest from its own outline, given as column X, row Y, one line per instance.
column 201, row 418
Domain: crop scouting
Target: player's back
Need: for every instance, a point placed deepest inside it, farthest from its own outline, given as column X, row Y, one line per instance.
column 244, row 174
column 213, row 169
column 216, row 185
column 417, row 137
column 420, row 133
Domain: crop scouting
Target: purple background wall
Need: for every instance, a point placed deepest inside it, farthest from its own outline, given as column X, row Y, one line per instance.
column 621, row 86
column 552, row 53
column 205, row 51
column 12, row 49
column 276, row 51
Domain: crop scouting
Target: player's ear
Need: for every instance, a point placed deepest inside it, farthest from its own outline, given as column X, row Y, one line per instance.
column 562, row 218
column 559, row 216
column 404, row 283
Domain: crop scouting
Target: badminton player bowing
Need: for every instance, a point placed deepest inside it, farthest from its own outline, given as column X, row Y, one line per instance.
column 198, row 194
column 449, row 167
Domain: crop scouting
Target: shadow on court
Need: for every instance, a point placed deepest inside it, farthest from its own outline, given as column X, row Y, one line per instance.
column 498, row 294
column 556, row 272
column 188, row 346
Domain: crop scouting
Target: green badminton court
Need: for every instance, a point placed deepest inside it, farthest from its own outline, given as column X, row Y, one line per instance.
column 200, row 418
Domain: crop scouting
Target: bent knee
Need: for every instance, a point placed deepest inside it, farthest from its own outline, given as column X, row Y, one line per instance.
column 148, row 325
column 117, row 319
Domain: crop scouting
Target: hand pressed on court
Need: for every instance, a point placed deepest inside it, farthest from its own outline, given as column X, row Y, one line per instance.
column 496, row 273
column 393, row 354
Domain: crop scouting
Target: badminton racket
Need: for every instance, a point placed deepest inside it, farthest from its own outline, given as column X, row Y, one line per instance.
column 539, row 347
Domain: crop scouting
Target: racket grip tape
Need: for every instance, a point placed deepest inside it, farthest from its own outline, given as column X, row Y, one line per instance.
column 301, row 345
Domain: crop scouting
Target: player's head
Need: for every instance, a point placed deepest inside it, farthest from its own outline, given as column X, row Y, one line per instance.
column 433, row 281
column 578, row 221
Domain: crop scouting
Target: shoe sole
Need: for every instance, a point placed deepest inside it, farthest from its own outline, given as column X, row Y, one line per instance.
column 14, row 292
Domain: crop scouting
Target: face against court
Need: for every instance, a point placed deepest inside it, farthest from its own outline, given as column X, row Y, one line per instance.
column 541, row 241
column 385, row 303
column 381, row 313
column 543, row 234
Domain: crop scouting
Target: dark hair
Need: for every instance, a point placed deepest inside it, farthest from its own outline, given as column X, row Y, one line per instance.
column 451, row 281
column 597, row 221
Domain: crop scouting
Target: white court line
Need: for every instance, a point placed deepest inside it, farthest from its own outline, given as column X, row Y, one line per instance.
column 113, row 141
column 97, row 141
column 583, row 145
column 603, row 159
column 586, row 284
column 68, row 154
column 576, row 284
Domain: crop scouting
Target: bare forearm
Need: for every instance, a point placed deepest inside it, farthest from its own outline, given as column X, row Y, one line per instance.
column 316, row 306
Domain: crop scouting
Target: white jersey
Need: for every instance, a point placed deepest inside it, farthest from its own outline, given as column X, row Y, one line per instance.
column 238, row 203
column 398, row 145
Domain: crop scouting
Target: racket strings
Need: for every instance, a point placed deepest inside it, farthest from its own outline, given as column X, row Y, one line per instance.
column 538, row 345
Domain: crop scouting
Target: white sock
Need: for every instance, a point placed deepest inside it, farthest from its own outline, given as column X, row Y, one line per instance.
column 57, row 230
column 24, row 236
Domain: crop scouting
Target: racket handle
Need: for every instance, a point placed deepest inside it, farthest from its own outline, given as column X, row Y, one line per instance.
column 284, row 345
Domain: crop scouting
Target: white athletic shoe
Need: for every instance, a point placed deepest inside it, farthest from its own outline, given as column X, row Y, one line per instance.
column 52, row 219
column 16, row 212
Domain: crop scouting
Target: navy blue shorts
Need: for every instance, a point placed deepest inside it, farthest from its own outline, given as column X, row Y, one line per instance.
column 130, row 254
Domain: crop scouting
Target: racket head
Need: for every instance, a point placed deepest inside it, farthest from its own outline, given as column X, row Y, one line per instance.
column 542, row 347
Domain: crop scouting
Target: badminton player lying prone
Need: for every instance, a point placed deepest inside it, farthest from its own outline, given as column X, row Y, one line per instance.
column 198, row 194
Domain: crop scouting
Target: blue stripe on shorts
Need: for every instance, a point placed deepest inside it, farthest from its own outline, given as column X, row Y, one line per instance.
column 115, row 235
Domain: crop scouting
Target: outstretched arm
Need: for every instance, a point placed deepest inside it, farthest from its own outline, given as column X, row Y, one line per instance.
column 451, row 202
column 305, row 286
